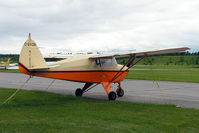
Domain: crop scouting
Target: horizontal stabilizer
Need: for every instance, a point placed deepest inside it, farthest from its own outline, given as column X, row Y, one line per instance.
column 38, row 68
column 43, row 68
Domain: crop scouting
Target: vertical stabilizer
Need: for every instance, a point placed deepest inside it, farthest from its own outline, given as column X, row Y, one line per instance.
column 8, row 61
column 30, row 55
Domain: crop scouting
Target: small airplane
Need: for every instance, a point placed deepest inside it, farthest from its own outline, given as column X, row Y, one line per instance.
column 5, row 64
column 89, row 69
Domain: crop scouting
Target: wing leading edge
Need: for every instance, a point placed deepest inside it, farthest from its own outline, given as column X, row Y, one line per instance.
column 153, row 52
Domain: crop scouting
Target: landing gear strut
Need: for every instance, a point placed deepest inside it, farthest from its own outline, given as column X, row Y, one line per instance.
column 111, row 94
column 107, row 87
column 79, row 92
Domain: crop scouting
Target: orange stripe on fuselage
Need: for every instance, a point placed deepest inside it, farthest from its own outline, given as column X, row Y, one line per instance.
column 80, row 76
column 23, row 70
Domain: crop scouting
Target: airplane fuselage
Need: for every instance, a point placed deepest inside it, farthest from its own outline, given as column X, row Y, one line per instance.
column 81, row 69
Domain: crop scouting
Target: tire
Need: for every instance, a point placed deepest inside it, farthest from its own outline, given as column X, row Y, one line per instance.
column 78, row 92
column 120, row 92
column 112, row 96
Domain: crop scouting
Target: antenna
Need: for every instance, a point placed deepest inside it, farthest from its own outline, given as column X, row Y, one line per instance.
column 29, row 36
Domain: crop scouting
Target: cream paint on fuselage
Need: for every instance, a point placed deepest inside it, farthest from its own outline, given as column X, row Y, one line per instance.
column 80, row 62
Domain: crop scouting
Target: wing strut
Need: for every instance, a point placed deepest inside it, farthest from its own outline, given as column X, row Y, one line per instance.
column 133, row 56
column 129, row 64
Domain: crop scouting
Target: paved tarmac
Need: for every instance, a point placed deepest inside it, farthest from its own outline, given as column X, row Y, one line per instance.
column 179, row 93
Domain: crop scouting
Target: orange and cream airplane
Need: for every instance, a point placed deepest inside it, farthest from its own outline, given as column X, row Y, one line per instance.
column 90, row 69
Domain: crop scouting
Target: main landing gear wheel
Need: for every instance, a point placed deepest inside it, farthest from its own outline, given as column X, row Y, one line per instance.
column 112, row 96
column 120, row 92
column 78, row 92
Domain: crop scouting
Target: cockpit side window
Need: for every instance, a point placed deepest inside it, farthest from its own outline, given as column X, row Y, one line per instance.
column 105, row 62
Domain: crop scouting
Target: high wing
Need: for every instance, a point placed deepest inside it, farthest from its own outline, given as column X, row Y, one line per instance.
column 154, row 52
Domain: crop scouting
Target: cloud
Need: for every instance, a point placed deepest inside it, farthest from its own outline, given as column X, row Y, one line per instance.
column 100, row 25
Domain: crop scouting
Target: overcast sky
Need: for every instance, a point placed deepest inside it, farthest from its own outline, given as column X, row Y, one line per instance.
column 99, row 25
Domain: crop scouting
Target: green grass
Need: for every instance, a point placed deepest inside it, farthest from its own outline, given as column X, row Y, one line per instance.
column 42, row 112
column 165, row 73
column 10, row 70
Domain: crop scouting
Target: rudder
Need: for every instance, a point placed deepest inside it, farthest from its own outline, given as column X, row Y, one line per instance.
column 30, row 55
